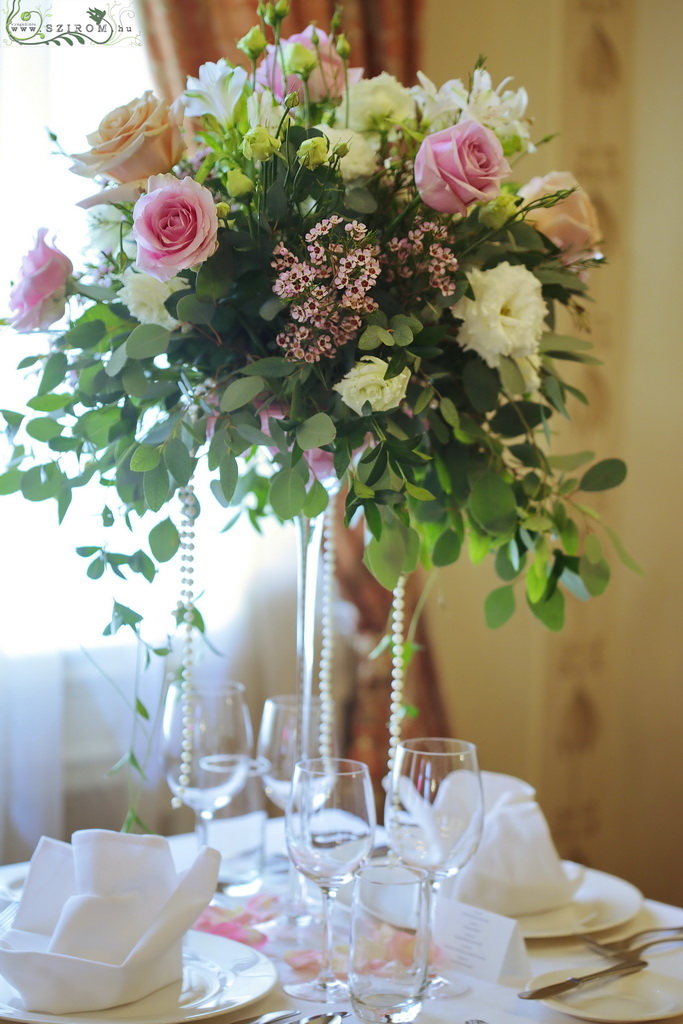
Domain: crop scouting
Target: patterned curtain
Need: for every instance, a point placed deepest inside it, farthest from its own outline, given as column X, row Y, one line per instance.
column 384, row 34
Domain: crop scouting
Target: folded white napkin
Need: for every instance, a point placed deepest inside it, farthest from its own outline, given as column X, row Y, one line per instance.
column 101, row 921
column 517, row 869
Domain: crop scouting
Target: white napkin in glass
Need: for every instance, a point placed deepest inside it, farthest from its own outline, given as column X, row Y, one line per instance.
column 517, row 869
column 101, row 921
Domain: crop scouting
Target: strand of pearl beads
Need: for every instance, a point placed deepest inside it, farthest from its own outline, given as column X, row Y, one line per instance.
column 327, row 631
column 397, row 666
column 186, row 604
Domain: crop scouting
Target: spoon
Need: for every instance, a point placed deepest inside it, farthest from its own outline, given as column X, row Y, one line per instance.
column 325, row 1018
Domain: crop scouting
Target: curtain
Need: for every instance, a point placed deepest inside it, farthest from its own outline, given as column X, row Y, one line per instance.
column 180, row 36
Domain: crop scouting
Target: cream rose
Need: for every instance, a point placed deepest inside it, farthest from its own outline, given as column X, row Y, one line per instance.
column 572, row 224
column 365, row 382
column 133, row 142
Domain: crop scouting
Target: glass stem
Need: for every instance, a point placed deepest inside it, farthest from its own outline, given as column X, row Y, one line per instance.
column 309, row 536
column 327, row 975
column 201, row 829
column 296, row 899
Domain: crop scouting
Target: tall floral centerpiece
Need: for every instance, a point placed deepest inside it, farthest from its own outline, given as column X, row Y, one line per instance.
column 319, row 281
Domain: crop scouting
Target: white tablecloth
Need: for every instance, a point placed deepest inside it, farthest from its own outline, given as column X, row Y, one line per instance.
column 490, row 1003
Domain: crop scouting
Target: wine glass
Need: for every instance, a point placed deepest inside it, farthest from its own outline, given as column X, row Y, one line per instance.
column 276, row 754
column 330, row 827
column 434, row 813
column 216, row 724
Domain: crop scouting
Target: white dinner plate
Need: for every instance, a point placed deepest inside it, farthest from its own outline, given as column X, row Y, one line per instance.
column 642, row 996
column 601, row 901
column 219, row 975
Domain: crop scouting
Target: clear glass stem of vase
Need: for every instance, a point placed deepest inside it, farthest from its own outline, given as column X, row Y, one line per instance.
column 327, row 975
column 201, row 828
column 310, row 537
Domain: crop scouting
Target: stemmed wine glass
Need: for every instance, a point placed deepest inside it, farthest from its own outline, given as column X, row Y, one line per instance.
column 434, row 813
column 276, row 749
column 330, row 828
column 218, row 728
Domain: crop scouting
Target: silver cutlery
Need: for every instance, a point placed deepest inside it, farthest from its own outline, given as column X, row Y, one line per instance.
column 628, row 952
column 274, row 1017
column 571, row 983
column 618, row 945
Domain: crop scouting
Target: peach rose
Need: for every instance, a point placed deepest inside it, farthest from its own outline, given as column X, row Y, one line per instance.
column 572, row 224
column 133, row 142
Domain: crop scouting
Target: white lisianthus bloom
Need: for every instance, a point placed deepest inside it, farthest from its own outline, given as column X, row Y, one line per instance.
column 439, row 108
column 506, row 316
column 220, row 90
column 109, row 231
column 361, row 160
column 145, row 297
column 365, row 383
column 264, row 111
column 501, row 110
column 378, row 104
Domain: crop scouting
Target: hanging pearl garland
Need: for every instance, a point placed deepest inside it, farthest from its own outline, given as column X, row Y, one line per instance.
column 186, row 603
column 327, row 631
column 397, row 666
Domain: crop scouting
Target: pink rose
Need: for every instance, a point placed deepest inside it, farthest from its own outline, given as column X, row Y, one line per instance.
column 327, row 79
column 39, row 296
column 459, row 166
column 175, row 226
column 572, row 224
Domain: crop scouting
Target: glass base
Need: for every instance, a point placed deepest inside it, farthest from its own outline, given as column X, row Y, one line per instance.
column 333, row 991
column 445, row 988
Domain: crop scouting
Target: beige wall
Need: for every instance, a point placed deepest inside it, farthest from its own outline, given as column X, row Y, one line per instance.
column 592, row 716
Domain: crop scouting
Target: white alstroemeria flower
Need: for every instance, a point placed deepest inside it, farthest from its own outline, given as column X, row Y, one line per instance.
column 501, row 110
column 365, row 383
column 220, row 90
column 440, row 108
column 379, row 104
column 506, row 316
column 360, row 162
column 264, row 111
column 145, row 297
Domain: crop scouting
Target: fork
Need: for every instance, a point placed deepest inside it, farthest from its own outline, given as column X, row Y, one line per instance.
column 619, row 950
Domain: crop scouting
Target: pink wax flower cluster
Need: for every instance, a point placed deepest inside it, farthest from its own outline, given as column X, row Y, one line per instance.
column 458, row 166
column 38, row 299
column 423, row 252
column 175, row 226
column 327, row 79
column 328, row 293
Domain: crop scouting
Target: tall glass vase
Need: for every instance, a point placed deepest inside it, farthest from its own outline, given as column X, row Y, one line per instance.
column 309, row 537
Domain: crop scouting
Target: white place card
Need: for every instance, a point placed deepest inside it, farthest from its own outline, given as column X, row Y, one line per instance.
column 479, row 943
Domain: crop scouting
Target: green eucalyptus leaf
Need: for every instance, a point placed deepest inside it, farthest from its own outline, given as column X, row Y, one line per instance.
column 164, row 540
column 228, row 475
column 567, row 463
column 424, row 398
column 117, row 361
column 316, row 431
column 499, row 606
column 271, row 366
column 603, row 475
column 178, row 461
column 316, row 500
column 191, row 310
column 595, row 575
column 10, row 482
column 450, row 413
column 623, row 554
column 511, row 376
column 592, row 548
column 145, row 457
column 360, row 199
column 492, row 503
column 215, row 276
column 44, row 428
column 374, row 336
column 550, row 611
column 156, row 487
column 287, row 494
column 48, row 403
column 54, row 372
column 385, row 557
column 481, row 385
column 147, row 341
column 240, row 392
column 447, row 548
